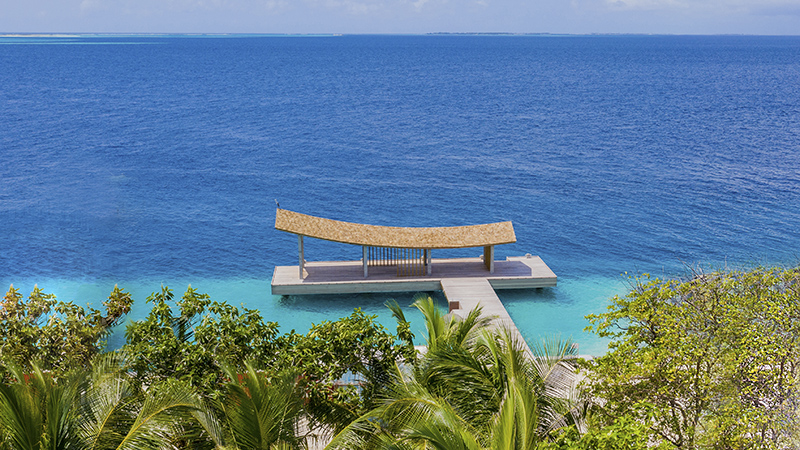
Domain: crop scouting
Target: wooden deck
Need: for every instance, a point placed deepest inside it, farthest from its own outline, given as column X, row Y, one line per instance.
column 347, row 277
column 465, row 281
column 466, row 294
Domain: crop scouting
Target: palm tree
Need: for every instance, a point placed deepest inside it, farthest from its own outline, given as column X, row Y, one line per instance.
column 115, row 416
column 263, row 413
column 476, row 387
column 35, row 412
column 97, row 410
column 448, row 331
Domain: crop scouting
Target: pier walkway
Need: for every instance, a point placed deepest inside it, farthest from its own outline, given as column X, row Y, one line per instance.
column 465, row 282
column 465, row 294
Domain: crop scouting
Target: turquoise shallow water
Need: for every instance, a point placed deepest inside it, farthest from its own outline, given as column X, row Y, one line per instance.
column 291, row 312
column 159, row 161
column 538, row 313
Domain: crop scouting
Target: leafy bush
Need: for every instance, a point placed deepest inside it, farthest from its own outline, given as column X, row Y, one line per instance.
column 716, row 356
column 59, row 335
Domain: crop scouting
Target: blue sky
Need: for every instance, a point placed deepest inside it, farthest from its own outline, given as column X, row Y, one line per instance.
column 402, row 16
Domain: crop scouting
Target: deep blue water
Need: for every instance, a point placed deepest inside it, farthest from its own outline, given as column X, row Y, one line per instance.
column 145, row 160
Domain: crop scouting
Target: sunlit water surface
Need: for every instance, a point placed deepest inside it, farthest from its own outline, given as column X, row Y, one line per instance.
column 158, row 161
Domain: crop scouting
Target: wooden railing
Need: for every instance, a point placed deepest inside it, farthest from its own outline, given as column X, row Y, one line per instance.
column 410, row 262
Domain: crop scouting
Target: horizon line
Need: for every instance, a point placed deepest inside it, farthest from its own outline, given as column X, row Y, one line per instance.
column 431, row 33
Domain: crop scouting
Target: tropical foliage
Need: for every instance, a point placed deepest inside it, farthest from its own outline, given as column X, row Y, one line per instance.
column 263, row 412
column 354, row 346
column 626, row 433
column 59, row 334
column 476, row 387
column 711, row 362
column 706, row 363
column 95, row 409
column 194, row 339
column 190, row 339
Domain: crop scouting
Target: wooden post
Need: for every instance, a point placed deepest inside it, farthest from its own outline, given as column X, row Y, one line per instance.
column 488, row 257
column 364, row 259
column 302, row 256
column 428, row 260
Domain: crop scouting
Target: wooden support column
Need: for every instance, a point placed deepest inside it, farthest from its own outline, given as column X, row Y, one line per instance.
column 302, row 256
column 364, row 259
column 428, row 260
column 488, row 257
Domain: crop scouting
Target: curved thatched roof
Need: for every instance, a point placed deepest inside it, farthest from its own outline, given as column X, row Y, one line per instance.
column 398, row 237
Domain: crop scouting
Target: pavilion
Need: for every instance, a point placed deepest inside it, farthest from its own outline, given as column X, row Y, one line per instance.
column 406, row 248
column 400, row 258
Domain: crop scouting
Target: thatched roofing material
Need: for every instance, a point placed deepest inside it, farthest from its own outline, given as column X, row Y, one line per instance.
column 398, row 237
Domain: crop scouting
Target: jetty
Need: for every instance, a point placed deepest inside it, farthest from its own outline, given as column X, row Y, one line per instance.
column 399, row 259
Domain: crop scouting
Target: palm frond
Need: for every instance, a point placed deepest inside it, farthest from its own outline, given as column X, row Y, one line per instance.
column 262, row 412
column 555, row 363
column 106, row 410
column 397, row 311
column 435, row 323
column 21, row 421
column 36, row 411
column 160, row 415
column 59, row 409
column 463, row 331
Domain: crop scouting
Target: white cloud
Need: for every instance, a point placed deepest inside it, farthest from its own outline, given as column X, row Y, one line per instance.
column 419, row 4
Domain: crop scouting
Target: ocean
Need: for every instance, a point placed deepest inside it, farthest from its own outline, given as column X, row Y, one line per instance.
column 149, row 160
